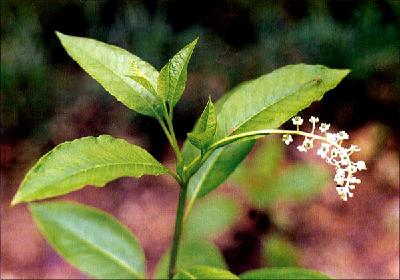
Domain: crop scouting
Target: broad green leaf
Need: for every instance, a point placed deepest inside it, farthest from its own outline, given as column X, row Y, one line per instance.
column 263, row 103
column 279, row 252
column 141, row 79
column 191, row 253
column 85, row 161
column 91, row 240
column 270, row 100
column 283, row 273
column 298, row 183
column 172, row 79
column 109, row 65
column 211, row 216
column 203, row 133
column 204, row 272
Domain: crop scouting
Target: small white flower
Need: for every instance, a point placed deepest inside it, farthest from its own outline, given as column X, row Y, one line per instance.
column 324, row 127
column 313, row 120
column 301, row 148
column 354, row 148
column 287, row 138
column 361, row 165
column 332, row 137
column 342, row 135
column 323, row 150
column 308, row 143
column 297, row 120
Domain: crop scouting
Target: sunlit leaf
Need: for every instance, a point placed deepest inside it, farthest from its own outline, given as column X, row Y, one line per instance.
column 172, row 79
column 91, row 240
column 203, row 133
column 85, row 161
column 109, row 65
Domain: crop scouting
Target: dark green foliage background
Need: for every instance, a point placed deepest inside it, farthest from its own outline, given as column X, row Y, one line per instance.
column 239, row 40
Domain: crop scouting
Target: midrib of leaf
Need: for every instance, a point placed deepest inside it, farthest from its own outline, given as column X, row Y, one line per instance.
column 191, row 276
column 117, row 75
column 276, row 102
column 121, row 263
column 205, row 173
column 97, row 167
column 180, row 75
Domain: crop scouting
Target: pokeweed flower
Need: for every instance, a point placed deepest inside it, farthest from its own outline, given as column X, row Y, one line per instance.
column 332, row 151
column 297, row 120
column 287, row 138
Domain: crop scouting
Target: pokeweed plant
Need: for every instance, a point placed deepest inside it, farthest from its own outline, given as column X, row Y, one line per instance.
column 97, row 243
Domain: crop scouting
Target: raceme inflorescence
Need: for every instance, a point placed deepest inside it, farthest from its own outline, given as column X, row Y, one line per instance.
column 331, row 149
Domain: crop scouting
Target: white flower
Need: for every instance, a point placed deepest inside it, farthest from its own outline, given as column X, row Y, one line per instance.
column 297, row 120
column 342, row 135
column 323, row 150
column 324, row 127
column 361, row 165
column 287, row 138
column 332, row 137
column 332, row 151
column 301, row 148
column 313, row 120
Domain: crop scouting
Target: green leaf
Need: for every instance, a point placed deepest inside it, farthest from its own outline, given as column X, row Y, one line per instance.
column 141, row 79
column 191, row 253
column 204, row 272
column 298, row 183
column 217, row 168
column 172, row 79
column 211, row 216
column 279, row 252
column 109, row 65
column 283, row 273
column 263, row 103
column 85, row 161
column 91, row 240
column 203, row 134
column 270, row 100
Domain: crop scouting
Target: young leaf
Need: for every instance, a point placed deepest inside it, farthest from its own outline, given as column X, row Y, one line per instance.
column 211, row 216
column 270, row 100
column 85, row 161
column 109, row 65
column 172, row 78
column 141, row 79
column 91, row 240
column 283, row 273
column 204, row 272
column 191, row 253
column 203, row 134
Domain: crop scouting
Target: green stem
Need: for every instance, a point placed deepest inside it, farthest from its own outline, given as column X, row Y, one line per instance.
column 178, row 230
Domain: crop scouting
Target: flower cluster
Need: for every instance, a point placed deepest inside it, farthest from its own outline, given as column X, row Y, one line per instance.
column 332, row 151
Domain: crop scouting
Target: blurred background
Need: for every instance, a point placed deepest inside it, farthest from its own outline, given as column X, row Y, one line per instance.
column 279, row 208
